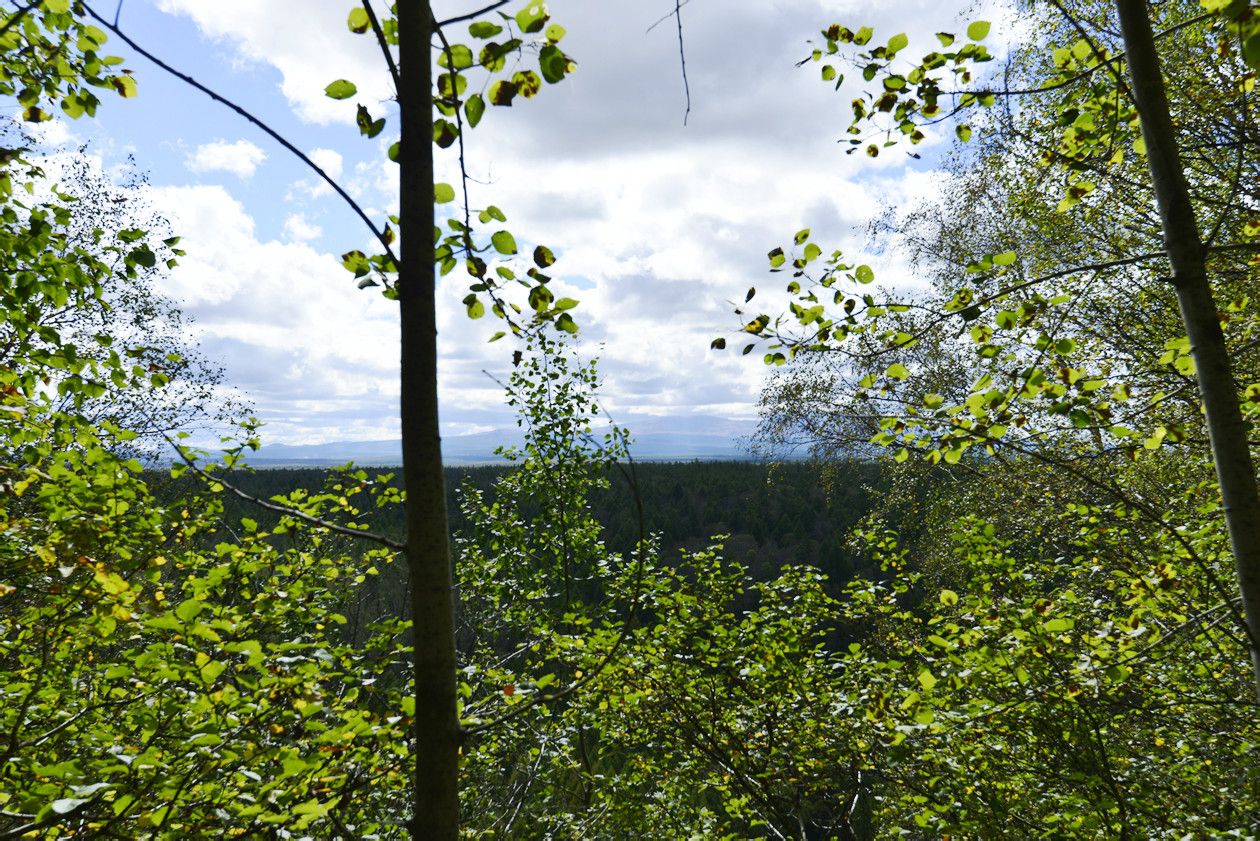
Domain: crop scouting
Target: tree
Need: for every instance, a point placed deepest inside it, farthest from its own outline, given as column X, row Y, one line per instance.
column 166, row 384
column 1095, row 111
column 406, row 38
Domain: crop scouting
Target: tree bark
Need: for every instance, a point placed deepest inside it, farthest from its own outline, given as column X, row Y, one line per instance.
column 437, row 730
column 1186, row 253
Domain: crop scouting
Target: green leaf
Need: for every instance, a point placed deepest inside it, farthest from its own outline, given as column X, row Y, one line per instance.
column 358, row 21
column 443, row 193
column 978, row 30
column 458, row 57
column 189, row 609
column 368, row 126
column 543, row 256
column 864, row 274
column 340, row 89
column 125, row 85
column 553, row 63
column 474, row 108
column 502, row 93
column 533, row 17
column 963, row 131
column 1251, row 51
column 897, row 371
column 897, row 43
column 143, row 256
column 484, row 29
column 503, row 242
column 445, row 133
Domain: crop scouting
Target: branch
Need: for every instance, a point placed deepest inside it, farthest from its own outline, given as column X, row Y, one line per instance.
column 458, row 18
column 940, row 317
column 284, row 509
column 682, row 59
column 1089, row 71
column 459, row 134
column 667, row 16
column 380, row 39
column 18, row 15
column 268, row 130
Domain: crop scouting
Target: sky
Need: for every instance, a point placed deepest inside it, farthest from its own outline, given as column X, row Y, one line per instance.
column 658, row 226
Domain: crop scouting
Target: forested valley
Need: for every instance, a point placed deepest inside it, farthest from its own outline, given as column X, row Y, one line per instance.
column 1013, row 591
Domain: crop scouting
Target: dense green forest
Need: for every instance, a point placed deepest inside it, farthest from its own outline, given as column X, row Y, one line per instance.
column 1015, row 595
column 772, row 514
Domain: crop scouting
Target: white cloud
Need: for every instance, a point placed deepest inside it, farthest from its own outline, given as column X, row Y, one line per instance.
column 329, row 160
column 317, row 356
column 297, row 227
column 306, row 41
column 658, row 227
column 240, row 158
column 52, row 133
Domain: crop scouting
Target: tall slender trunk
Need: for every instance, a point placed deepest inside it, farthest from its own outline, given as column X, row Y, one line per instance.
column 437, row 729
column 1187, row 254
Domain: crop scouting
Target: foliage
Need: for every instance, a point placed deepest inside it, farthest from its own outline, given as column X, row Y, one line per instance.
column 152, row 687
column 1061, row 632
column 485, row 70
column 1102, row 690
column 1036, row 285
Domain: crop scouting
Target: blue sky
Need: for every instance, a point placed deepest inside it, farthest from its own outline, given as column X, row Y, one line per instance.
column 658, row 226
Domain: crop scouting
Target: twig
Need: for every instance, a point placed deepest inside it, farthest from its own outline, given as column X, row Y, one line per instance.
column 471, row 15
column 459, row 134
column 380, row 39
column 682, row 59
column 17, row 16
column 666, row 16
column 284, row 509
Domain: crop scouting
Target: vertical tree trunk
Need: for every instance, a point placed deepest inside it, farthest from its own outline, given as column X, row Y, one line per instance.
column 437, row 729
column 1230, row 451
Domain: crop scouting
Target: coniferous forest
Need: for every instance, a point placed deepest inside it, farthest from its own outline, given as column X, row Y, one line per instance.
column 1014, row 591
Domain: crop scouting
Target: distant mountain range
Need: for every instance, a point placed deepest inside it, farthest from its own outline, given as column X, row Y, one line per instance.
column 703, row 438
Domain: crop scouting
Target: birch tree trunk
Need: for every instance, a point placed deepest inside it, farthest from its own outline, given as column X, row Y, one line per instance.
column 437, row 730
column 1186, row 253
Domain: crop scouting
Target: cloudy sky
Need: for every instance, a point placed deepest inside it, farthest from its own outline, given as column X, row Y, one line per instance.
column 658, row 226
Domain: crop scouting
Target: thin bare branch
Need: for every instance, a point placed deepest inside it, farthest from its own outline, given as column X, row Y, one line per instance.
column 471, row 15
column 382, row 41
column 284, row 509
column 682, row 59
